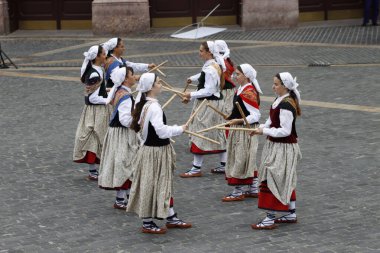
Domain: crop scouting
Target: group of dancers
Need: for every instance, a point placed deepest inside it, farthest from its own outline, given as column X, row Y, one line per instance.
column 125, row 139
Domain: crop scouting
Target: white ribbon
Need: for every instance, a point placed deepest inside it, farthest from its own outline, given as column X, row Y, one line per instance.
column 145, row 84
column 290, row 83
column 251, row 73
column 222, row 47
column 117, row 76
column 109, row 45
column 215, row 53
column 88, row 56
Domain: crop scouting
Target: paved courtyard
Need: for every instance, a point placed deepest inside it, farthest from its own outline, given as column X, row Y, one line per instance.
column 47, row 205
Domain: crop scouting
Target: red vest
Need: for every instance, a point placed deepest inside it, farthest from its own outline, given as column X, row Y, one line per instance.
column 274, row 114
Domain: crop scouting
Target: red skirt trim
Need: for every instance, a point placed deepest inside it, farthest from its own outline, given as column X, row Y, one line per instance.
column 89, row 158
column 269, row 202
column 195, row 150
column 171, row 203
column 239, row 181
column 126, row 186
column 255, row 174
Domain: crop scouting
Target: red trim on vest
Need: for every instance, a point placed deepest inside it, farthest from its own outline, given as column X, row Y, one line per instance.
column 269, row 202
column 89, row 158
column 249, row 96
column 195, row 150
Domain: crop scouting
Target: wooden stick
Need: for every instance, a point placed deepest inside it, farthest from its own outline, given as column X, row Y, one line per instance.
column 169, row 101
column 172, row 97
column 162, row 73
column 242, row 114
column 202, row 137
column 236, row 128
column 216, row 110
column 174, row 91
column 187, row 85
column 156, row 68
column 213, row 127
column 166, row 83
column 196, row 111
column 173, row 141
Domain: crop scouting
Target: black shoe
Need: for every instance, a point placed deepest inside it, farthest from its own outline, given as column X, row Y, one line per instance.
column 375, row 24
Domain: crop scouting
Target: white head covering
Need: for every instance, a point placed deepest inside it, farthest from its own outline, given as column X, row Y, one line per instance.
column 145, row 84
column 110, row 45
column 290, row 83
column 218, row 58
column 89, row 56
column 251, row 73
column 117, row 76
column 222, row 48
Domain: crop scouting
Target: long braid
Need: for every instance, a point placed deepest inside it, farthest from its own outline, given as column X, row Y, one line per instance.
column 136, row 114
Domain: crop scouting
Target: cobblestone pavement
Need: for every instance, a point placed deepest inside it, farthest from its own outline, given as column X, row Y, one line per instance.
column 48, row 206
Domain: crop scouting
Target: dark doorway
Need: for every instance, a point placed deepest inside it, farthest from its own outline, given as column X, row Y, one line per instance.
column 13, row 18
column 192, row 10
column 329, row 6
column 50, row 14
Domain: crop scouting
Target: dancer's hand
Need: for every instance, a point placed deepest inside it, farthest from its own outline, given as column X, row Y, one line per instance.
column 189, row 80
column 236, row 122
column 187, row 95
column 185, row 100
column 256, row 131
column 152, row 65
column 184, row 127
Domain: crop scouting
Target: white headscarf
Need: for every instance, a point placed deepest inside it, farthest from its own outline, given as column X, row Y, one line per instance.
column 222, row 48
column 251, row 73
column 218, row 58
column 88, row 56
column 110, row 45
column 117, row 76
column 145, row 84
column 290, row 83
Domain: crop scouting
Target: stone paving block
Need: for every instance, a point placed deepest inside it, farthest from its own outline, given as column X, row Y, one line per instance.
column 48, row 206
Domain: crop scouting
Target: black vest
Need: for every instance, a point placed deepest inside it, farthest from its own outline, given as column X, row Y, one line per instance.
column 87, row 100
column 115, row 122
column 92, row 81
column 201, row 85
column 235, row 114
column 152, row 139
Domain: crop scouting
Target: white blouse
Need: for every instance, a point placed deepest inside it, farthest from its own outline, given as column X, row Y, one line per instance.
column 154, row 115
column 137, row 67
column 212, row 81
column 124, row 109
column 94, row 97
column 286, row 121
